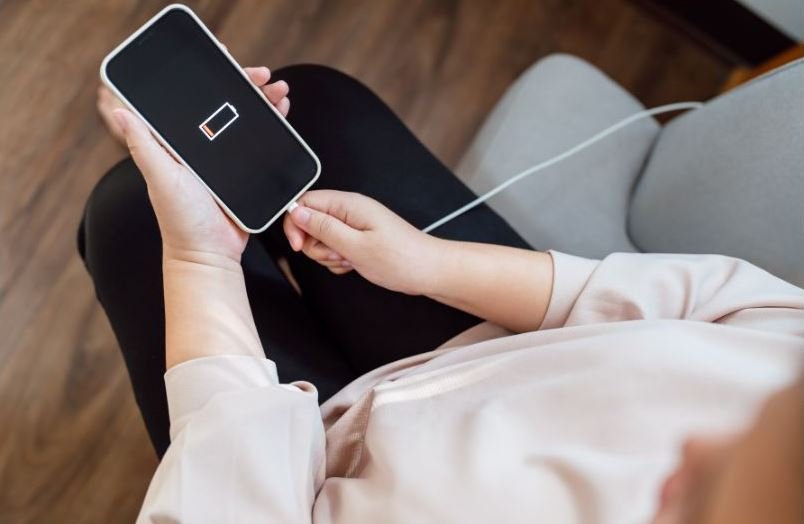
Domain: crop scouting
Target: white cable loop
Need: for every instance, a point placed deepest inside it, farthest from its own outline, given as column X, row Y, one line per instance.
column 678, row 106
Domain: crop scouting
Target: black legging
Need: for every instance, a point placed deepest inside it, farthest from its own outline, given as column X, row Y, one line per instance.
column 341, row 326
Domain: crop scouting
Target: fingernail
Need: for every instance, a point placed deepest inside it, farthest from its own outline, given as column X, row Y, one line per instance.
column 333, row 256
column 301, row 215
column 292, row 206
column 346, row 263
column 120, row 116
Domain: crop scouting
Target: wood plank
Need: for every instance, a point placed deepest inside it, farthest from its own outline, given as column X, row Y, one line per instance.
column 72, row 445
column 741, row 75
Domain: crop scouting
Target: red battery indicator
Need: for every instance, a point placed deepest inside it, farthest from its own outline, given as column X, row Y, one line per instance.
column 218, row 121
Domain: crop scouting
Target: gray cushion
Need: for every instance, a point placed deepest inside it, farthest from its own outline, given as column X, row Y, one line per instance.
column 579, row 205
column 729, row 178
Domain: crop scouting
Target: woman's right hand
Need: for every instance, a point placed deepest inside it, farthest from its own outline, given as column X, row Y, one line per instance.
column 508, row 286
column 344, row 231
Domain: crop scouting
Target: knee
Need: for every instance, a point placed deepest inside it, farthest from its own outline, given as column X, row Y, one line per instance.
column 315, row 74
column 118, row 208
column 118, row 198
column 319, row 86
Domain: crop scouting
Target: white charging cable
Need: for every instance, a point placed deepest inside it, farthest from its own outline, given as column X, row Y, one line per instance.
column 678, row 106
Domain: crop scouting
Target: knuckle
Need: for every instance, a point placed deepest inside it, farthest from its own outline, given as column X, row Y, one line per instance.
column 324, row 225
column 361, row 199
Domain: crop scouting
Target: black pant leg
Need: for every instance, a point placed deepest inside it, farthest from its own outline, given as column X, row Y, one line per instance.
column 120, row 243
column 364, row 147
column 121, row 246
column 291, row 336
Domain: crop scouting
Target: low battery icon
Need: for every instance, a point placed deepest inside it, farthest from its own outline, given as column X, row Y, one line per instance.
column 218, row 121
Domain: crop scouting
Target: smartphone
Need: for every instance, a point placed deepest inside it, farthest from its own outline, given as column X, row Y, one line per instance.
column 201, row 105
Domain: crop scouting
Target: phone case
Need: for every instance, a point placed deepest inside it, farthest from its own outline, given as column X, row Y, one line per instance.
column 212, row 120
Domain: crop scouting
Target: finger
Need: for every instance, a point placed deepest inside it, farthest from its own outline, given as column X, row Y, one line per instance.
column 107, row 99
column 258, row 75
column 156, row 165
column 320, row 252
column 331, row 258
column 276, row 91
column 331, row 265
column 284, row 106
column 105, row 92
column 326, row 228
column 316, row 250
column 295, row 235
column 340, row 270
column 352, row 208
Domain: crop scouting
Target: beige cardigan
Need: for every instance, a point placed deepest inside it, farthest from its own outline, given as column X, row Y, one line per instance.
column 577, row 422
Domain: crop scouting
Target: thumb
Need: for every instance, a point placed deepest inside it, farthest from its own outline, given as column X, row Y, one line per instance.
column 156, row 165
column 325, row 228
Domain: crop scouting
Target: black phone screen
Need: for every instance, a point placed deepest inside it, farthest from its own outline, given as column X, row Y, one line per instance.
column 190, row 92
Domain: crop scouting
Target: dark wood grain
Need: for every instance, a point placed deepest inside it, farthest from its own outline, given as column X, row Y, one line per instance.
column 72, row 446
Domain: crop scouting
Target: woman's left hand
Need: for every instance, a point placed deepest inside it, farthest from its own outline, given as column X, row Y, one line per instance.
column 193, row 226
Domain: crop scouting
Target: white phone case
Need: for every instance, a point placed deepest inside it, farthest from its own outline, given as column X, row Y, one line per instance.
column 236, row 66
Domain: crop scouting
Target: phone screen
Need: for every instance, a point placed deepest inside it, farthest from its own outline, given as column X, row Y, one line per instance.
column 190, row 92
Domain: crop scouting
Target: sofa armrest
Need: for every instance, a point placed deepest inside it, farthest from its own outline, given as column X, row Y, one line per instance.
column 578, row 206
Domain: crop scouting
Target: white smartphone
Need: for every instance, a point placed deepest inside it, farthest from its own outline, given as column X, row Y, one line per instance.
column 202, row 106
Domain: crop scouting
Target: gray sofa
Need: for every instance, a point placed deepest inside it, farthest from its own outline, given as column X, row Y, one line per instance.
column 727, row 178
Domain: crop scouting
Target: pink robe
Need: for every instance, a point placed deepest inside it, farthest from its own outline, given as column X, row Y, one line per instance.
column 577, row 422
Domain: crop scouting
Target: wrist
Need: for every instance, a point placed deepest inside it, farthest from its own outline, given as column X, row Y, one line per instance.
column 207, row 311
column 435, row 262
column 173, row 258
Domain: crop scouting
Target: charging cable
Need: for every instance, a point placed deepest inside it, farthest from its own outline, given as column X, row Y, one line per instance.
column 678, row 106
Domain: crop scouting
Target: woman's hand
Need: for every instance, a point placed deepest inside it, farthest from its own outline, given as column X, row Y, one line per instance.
column 342, row 231
column 508, row 286
column 193, row 226
column 206, row 304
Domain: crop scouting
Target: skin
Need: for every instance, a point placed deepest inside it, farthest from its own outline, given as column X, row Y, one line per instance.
column 755, row 476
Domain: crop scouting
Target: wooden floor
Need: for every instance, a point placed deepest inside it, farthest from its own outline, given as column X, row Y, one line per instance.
column 72, row 446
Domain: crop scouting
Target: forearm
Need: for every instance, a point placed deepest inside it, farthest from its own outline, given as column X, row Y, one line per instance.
column 206, row 309
column 508, row 286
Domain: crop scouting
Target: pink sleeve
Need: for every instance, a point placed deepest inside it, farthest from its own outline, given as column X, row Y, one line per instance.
column 244, row 448
column 570, row 274
column 706, row 288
